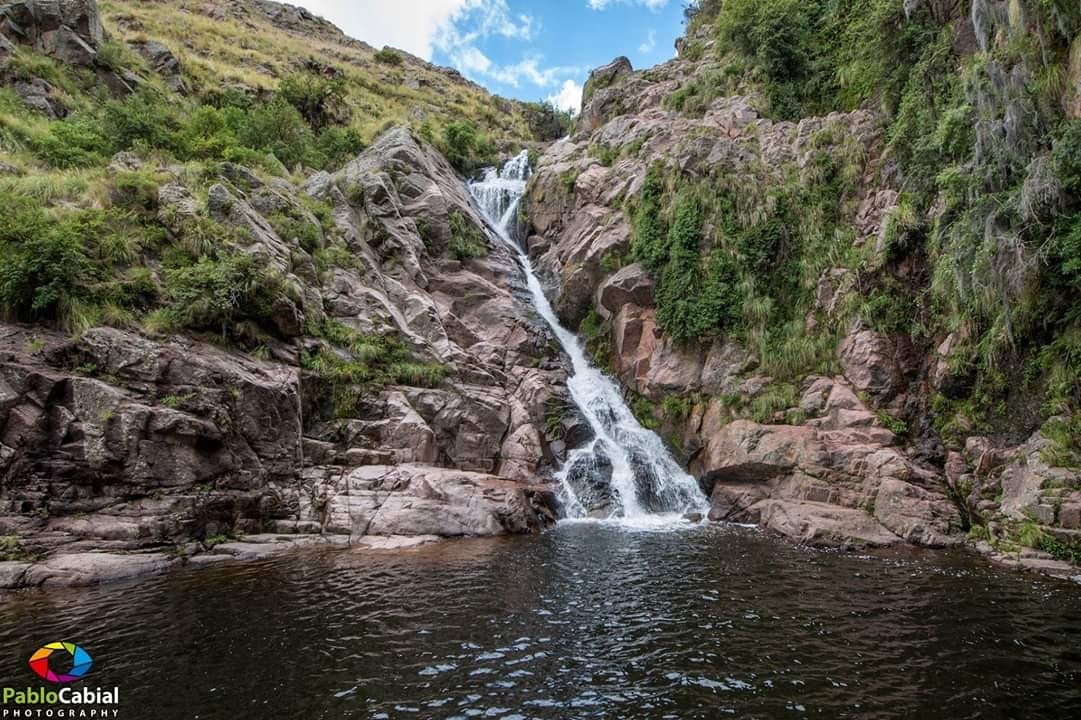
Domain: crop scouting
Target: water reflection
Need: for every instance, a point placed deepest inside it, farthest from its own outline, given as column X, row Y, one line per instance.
column 585, row 621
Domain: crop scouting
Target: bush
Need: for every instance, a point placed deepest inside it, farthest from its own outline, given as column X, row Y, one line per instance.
column 215, row 293
column 334, row 147
column 143, row 118
column 318, row 98
column 77, row 141
column 649, row 243
column 465, row 147
column 388, row 56
column 136, row 191
column 358, row 360
column 309, row 236
column 44, row 266
column 466, row 239
column 277, row 128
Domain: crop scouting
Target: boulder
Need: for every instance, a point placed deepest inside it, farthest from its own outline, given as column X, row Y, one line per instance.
column 423, row 500
column 823, row 485
column 870, row 364
column 631, row 285
column 163, row 62
column 601, row 100
column 69, row 30
column 40, row 97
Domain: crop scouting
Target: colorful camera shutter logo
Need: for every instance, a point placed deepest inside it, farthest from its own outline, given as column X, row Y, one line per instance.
column 81, row 662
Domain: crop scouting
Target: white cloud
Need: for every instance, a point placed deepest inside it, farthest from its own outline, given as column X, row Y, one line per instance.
column 529, row 70
column 454, row 27
column 649, row 44
column 602, row 4
column 569, row 97
column 411, row 25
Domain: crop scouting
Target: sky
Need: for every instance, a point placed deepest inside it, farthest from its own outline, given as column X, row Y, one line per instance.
column 525, row 49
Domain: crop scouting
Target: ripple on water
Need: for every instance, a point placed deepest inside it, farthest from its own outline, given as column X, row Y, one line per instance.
column 590, row 620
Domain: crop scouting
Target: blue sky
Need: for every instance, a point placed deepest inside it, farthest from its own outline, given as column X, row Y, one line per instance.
column 527, row 49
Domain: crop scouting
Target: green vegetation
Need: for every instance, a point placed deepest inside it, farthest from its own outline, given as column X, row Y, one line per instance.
column 895, row 425
column 350, row 361
column 643, row 410
column 11, row 550
column 465, row 147
column 466, row 239
column 754, row 274
column 988, row 214
column 389, row 57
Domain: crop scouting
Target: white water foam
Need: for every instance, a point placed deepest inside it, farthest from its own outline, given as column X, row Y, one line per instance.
column 624, row 474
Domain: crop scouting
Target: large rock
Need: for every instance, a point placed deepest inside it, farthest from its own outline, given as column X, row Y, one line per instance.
column 424, row 500
column 163, row 62
column 600, row 96
column 835, row 480
column 1032, row 488
column 69, row 30
column 631, row 285
column 870, row 363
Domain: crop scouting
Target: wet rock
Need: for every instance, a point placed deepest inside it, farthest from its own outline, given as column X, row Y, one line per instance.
column 83, row 569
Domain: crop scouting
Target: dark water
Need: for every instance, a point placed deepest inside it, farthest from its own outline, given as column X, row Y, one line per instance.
column 583, row 622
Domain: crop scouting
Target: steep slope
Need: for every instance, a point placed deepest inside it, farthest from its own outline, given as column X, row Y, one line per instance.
column 829, row 252
column 251, row 45
column 202, row 345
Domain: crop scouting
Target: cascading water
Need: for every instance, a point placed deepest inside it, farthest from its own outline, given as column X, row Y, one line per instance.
column 625, row 470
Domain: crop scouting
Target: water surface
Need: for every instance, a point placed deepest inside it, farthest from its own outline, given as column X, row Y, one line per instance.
column 586, row 621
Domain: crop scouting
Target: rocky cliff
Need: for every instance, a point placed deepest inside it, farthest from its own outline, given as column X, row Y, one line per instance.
column 773, row 286
column 282, row 357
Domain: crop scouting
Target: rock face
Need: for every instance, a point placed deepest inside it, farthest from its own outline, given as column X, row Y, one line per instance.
column 115, row 442
column 852, row 458
column 836, row 479
column 600, row 100
column 69, row 30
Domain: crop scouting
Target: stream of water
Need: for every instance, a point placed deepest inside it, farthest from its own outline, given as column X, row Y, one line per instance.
column 625, row 471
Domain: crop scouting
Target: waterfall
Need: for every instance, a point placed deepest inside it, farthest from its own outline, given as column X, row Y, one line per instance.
column 625, row 471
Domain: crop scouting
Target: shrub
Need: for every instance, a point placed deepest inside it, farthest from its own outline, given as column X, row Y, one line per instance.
column 388, row 56
column 143, row 118
column 466, row 239
column 361, row 360
column 136, row 191
column 649, row 243
column 215, row 293
column 276, row 127
column 289, row 228
column 465, row 147
column 318, row 98
column 334, row 147
column 77, row 141
column 44, row 266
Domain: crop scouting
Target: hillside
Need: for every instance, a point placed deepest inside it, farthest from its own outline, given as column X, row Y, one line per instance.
column 831, row 251
column 231, row 307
